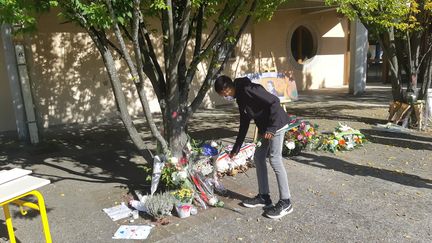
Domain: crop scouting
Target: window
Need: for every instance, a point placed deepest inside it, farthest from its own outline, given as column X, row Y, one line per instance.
column 302, row 44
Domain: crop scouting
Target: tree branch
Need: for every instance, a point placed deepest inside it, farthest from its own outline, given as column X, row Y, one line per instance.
column 212, row 74
column 116, row 86
column 120, row 40
column 217, row 38
column 141, row 90
column 180, row 44
column 149, row 50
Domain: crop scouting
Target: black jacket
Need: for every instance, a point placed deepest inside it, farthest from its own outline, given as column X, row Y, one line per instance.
column 254, row 102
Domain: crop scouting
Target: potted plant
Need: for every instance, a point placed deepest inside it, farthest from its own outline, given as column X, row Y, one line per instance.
column 183, row 204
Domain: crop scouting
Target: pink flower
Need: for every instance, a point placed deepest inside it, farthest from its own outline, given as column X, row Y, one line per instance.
column 299, row 137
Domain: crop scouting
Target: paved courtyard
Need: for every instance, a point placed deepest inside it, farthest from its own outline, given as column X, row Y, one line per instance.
column 381, row 192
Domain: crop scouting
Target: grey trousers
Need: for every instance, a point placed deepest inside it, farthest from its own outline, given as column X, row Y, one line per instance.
column 275, row 147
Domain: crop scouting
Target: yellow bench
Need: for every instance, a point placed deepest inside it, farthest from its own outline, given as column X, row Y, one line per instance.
column 14, row 190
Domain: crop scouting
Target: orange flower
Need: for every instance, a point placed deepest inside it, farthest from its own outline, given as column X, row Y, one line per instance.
column 358, row 140
column 342, row 142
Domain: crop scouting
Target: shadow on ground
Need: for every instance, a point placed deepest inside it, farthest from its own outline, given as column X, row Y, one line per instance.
column 331, row 163
column 411, row 141
column 334, row 113
column 103, row 153
column 4, row 236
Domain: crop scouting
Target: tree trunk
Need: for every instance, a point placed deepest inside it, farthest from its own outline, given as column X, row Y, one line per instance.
column 427, row 77
column 118, row 92
column 176, row 134
column 389, row 46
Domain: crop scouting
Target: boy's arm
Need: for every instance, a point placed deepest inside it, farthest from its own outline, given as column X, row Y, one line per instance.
column 244, row 126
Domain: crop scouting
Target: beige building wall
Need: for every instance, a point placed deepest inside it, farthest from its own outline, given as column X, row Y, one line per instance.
column 325, row 69
column 7, row 115
column 70, row 82
column 71, row 85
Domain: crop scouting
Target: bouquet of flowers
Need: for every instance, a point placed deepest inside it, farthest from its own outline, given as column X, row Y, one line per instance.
column 184, row 195
column 343, row 138
column 175, row 173
column 299, row 136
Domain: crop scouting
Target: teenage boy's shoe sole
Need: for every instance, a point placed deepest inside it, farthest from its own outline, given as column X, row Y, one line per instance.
column 283, row 213
column 253, row 205
column 257, row 205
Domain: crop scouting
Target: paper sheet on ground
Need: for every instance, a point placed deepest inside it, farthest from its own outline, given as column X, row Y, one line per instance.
column 390, row 127
column 118, row 212
column 133, row 232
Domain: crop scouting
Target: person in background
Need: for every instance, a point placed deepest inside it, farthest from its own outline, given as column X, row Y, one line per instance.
column 254, row 102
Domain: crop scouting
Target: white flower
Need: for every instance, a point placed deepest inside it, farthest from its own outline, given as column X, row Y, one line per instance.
column 344, row 128
column 349, row 146
column 182, row 175
column 178, row 176
column 290, row 144
column 188, row 146
column 214, row 144
column 175, row 178
column 173, row 160
column 213, row 201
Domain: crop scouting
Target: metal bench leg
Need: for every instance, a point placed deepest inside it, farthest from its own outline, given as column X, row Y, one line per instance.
column 44, row 217
column 9, row 223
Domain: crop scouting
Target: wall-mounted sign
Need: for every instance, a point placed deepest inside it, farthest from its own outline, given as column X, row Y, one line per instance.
column 279, row 84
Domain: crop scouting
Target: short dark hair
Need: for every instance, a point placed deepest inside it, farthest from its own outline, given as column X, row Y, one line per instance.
column 222, row 82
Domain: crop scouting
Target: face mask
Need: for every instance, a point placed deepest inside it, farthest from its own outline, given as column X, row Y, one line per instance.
column 229, row 98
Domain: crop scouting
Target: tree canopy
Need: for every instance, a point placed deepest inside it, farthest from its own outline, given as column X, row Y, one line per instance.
column 403, row 28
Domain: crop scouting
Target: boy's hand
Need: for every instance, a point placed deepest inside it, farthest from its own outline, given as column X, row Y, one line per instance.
column 268, row 135
column 232, row 154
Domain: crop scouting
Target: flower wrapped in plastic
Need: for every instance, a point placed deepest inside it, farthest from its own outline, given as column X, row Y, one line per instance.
column 184, row 195
column 224, row 163
column 203, row 165
column 209, row 150
column 205, row 190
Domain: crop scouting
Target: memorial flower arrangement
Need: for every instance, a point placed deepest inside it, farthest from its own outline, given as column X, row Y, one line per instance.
column 343, row 138
column 299, row 136
column 193, row 178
